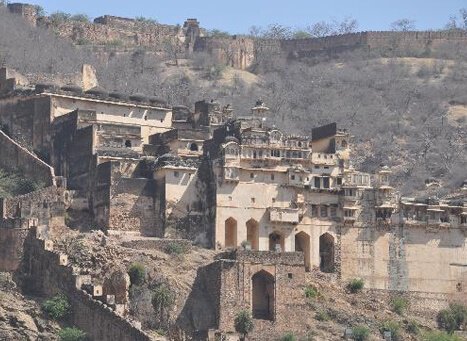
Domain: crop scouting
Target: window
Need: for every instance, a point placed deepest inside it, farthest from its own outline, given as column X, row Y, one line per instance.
column 253, row 200
column 230, row 198
column 273, row 200
column 176, row 174
column 325, row 182
column 348, row 213
column 326, row 167
column 252, row 175
column 290, row 275
column 128, row 144
column 339, row 181
column 323, row 211
column 292, row 177
column 260, row 154
column 464, row 219
column 317, row 182
column 316, row 167
column 333, row 212
column 272, row 177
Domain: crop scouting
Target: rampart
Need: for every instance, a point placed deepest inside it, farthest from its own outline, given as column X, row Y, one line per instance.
column 13, row 157
column 47, row 272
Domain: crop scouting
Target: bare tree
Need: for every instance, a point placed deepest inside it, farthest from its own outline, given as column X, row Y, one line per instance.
column 403, row 25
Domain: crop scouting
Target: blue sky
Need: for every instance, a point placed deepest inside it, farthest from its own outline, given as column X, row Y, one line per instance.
column 237, row 16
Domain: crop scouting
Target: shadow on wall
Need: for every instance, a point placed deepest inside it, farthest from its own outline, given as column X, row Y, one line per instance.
column 199, row 313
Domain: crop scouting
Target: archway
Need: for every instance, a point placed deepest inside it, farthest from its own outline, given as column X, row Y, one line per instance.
column 263, row 296
column 326, row 253
column 230, row 233
column 302, row 243
column 252, row 233
column 276, row 242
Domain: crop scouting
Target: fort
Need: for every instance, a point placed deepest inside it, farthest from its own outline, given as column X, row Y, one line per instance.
column 237, row 51
column 272, row 205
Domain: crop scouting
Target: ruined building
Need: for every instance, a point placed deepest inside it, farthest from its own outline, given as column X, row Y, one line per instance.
column 278, row 204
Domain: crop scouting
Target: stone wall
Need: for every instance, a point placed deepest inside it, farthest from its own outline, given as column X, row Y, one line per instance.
column 402, row 258
column 47, row 206
column 235, row 292
column 13, row 157
column 11, row 247
column 46, row 272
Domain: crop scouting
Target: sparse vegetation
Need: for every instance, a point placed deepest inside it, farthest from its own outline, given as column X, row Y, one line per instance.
column 440, row 336
column 137, row 273
column 144, row 20
column 322, row 315
column 453, row 318
column 57, row 307
column 360, row 333
column 399, row 305
column 176, row 248
column 311, row 292
column 356, row 285
column 243, row 323
column 393, row 327
column 162, row 300
column 412, row 327
column 13, row 183
column 71, row 334
column 288, row 337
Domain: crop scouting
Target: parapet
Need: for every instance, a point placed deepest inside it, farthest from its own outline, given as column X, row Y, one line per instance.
column 264, row 257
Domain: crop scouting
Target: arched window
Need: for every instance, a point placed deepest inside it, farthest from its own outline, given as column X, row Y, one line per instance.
column 326, row 253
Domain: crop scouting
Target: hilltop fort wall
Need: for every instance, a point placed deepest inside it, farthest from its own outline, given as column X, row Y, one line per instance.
column 16, row 158
column 47, row 272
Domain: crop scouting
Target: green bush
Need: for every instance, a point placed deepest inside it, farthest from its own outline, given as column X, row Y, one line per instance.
column 393, row 327
column 162, row 298
column 71, row 334
column 174, row 248
column 453, row 318
column 413, row 328
column 59, row 17
column 360, row 333
column 440, row 336
column 57, row 307
column 322, row 315
column 288, row 337
column 137, row 273
column 311, row 292
column 356, row 285
column 399, row 305
column 243, row 323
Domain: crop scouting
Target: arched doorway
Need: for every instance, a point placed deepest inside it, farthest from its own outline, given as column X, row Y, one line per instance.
column 263, row 295
column 252, row 233
column 302, row 243
column 230, row 233
column 276, row 242
column 326, row 253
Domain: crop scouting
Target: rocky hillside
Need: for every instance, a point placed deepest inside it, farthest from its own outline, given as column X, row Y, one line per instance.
column 21, row 318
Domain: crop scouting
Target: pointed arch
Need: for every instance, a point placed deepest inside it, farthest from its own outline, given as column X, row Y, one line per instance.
column 303, row 244
column 326, row 253
column 263, row 295
column 252, row 233
column 230, row 237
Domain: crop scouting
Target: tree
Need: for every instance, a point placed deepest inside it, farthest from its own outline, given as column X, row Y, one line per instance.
column 320, row 29
column 162, row 300
column 403, row 25
column 244, row 323
column 277, row 31
column 300, row 34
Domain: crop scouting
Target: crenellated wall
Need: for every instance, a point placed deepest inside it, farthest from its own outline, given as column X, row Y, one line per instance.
column 47, row 272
